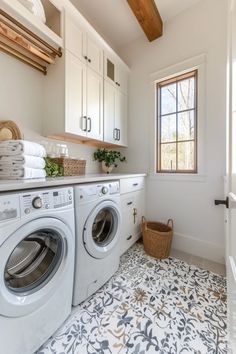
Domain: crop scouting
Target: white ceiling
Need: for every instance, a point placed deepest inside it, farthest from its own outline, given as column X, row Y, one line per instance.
column 114, row 20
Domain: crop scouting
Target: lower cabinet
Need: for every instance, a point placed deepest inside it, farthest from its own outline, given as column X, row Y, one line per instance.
column 133, row 208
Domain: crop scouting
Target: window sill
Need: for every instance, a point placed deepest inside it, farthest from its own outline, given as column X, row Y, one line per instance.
column 182, row 177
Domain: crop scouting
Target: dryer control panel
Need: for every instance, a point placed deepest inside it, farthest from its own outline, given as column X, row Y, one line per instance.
column 90, row 192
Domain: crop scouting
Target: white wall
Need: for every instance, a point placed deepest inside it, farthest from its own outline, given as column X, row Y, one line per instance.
column 199, row 225
column 21, row 100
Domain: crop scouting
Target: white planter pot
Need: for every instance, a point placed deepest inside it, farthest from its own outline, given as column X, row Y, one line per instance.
column 107, row 169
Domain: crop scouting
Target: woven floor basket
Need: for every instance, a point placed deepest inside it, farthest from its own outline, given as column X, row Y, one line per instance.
column 157, row 238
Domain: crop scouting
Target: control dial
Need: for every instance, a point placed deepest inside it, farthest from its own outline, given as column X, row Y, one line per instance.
column 104, row 190
column 37, row 203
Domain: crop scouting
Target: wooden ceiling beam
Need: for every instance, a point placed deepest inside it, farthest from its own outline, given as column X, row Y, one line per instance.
column 148, row 17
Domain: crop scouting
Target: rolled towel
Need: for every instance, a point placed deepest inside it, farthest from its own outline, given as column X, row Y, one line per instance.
column 24, row 173
column 19, row 147
column 21, row 161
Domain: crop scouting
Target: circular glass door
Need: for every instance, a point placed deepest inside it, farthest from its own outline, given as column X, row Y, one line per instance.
column 101, row 230
column 34, row 261
column 104, row 227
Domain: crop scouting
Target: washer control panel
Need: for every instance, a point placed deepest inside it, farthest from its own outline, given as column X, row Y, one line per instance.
column 46, row 200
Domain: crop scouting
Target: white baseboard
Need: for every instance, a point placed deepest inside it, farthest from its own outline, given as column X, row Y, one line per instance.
column 198, row 247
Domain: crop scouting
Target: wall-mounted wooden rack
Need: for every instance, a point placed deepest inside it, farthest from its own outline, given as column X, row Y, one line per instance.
column 20, row 42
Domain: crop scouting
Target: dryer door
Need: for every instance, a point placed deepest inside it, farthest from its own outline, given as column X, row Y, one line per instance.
column 33, row 260
column 101, row 230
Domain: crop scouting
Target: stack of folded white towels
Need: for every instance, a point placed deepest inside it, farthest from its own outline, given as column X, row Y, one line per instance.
column 21, row 159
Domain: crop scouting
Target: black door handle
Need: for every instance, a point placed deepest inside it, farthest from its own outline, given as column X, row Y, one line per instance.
column 223, row 202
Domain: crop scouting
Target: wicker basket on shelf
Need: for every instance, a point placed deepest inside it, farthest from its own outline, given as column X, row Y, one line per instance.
column 71, row 167
column 157, row 238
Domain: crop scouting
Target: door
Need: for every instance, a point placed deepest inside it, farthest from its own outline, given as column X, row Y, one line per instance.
column 231, row 182
column 94, row 55
column 33, row 261
column 94, row 99
column 110, row 135
column 102, row 229
column 121, row 117
column 75, row 96
column 74, row 38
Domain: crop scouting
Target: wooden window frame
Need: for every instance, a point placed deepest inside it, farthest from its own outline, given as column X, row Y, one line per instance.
column 159, row 85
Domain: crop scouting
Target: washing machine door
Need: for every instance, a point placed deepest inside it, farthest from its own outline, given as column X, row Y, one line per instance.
column 101, row 230
column 33, row 260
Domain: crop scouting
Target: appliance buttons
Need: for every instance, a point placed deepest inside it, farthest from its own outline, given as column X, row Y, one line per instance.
column 37, row 203
column 70, row 197
column 27, row 210
column 47, row 206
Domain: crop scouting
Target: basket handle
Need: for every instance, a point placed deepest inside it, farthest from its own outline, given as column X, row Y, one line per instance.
column 170, row 223
column 144, row 221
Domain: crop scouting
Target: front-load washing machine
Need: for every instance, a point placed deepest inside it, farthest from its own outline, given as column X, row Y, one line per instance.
column 36, row 266
column 97, row 234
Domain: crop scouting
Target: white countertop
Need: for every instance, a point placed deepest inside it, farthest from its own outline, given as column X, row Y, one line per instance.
column 14, row 185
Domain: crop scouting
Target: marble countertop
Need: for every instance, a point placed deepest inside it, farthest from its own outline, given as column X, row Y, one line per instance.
column 15, row 185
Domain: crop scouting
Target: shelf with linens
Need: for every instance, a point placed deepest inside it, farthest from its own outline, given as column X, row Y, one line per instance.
column 30, row 30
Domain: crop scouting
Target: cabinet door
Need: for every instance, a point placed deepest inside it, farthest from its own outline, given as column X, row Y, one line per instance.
column 94, row 55
column 74, row 38
column 121, row 117
column 139, row 211
column 94, row 105
column 121, row 79
column 127, row 235
column 75, row 85
column 109, row 113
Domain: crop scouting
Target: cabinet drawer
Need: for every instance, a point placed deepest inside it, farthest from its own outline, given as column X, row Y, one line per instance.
column 128, row 185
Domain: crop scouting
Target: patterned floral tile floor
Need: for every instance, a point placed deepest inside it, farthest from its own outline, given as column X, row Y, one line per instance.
column 149, row 306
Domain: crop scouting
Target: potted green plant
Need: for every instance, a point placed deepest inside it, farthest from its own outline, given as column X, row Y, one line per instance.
column 108, row 158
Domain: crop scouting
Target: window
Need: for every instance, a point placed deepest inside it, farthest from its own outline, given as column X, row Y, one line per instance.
column 177, row 124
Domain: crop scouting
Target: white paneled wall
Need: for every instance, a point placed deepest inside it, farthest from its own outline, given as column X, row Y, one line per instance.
column 199, row 225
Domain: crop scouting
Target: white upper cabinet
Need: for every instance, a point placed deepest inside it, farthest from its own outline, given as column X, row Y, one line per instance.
column 115, row 74
column 94, row 55
column 74, row 38
column 94, row 105
column 115, row 115
column 83, row 45
column 85, row 100
column 75, row 96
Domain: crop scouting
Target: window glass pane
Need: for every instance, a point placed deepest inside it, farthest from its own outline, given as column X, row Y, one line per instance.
column 186, row 125
column 168, row 128
column 186, row 94
column 186, row 156
column 168, row 99
column 168, row 156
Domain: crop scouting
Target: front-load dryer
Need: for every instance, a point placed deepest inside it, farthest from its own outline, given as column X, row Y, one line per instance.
column 97, row 234
column 36, row 266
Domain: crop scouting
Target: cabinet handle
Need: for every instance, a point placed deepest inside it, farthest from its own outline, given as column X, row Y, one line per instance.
column 114, row 134
column 89, row 60
column 118, row 130
column 84, row 118
column 90, row 125
column 85, row 57
column 129, row 203
column 135, row 213
column 135, row 184
column 129, row 238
